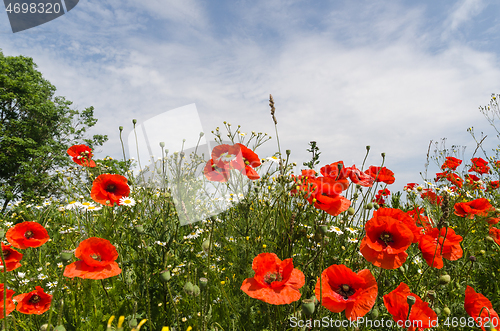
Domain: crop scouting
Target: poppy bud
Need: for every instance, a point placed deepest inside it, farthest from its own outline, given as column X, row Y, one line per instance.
column 355, row 196
column 444, row 279
column 205, row 245
column 139, row 229
column 203, row 283
column 411, row 300
column 165, row 275
column 376, row 205
column 2, row 233
column 66, row 256
column 375, row 313
column 120, row 128
column 162, row 144
column 446, row 311
column 351, row 211
column 134, row 121
column 490, row 239
column 431, row 294
column 44, row 327
column 189, row 288
column 308, row 307
column 369, row 206
column 60, row 328
column 368, row 147
column 196, row 290
column 201, row 134
column 482, row 252
column 472, row 258
column 132, row 323
column 323, row 229
column 383, row 154
column 438, row 311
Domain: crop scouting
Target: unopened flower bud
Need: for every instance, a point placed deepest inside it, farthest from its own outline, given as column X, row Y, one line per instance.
column 369, row 206
column 139, row 229
column 446, row 311
column 203, row 283
column 383, row 154
column 431, row 294
column 201, row 134
column 196, row 290
column 490, row 239
column 165, row 275
column 351, row 211
column 60, row 328
column 206, row 245
column 189, row 288
column 308, row 307
column 162, row 144
column 444, row 279
column 323, row 229
column 288, row 152
column 120, row 128
column 375, row 313
column 472, row 258
column 368, row 147
column 376, row 205
column 134, row 121
column 66, row 256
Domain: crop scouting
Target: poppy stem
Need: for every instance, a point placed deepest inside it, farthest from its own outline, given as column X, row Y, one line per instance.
column 4, row 278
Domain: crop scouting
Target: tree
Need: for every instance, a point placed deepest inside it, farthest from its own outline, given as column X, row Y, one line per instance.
column 36, row 129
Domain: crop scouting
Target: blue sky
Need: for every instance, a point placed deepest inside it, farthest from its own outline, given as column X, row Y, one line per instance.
column 390, row 74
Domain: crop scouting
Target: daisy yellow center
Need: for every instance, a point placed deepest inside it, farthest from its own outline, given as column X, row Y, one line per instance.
column 96, row 257
column 271, row 277
column 35, row 299
column 345, row 291
column 29, row 234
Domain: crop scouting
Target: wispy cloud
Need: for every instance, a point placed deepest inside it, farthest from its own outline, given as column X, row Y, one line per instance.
column 343, row 75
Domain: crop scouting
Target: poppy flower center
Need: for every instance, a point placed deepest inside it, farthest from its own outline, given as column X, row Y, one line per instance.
column 29, row 234
column 272, row 277
column 386, row 238
column 111, row 188
column 346, row 291
column 96, row 257
column 35, row 299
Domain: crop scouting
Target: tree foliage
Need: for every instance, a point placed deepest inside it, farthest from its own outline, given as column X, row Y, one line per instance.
column 36, row 129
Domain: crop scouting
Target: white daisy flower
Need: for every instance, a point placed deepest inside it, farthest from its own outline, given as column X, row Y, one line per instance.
column 353, row 240
column 127, row 201
column 73, row 205
column 336, row 230
column 273, row 158
column 352, row 230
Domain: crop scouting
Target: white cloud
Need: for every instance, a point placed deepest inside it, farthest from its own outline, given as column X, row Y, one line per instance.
column 462, row 12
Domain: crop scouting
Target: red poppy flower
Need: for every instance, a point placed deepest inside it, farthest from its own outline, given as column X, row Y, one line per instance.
column 305, row 183
column 451, row 163
column 387, row 238
column 381, row 174
column 421, row 315
column 431, row 196
column 110, row 188
column 10, row 304
column 336, row 171
column 474, row 181
column 451, row 177
column 479, row 207
column 475, row 304
column 479, row 165
column 493, row 220
column 431, row 249
column 275, row 281
column 81, row 155
column 326, row 195
column 421, row 221
column 228, row 157
column 27, row 234
column 214, row 173
column 494, row 184
column 342, row 289
column 358, row 177
column 495, row 234
column 36, row 302
column 97, row 260
column 11, row 257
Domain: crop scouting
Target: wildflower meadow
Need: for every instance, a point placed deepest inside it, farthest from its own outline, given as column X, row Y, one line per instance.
column 232, row 241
